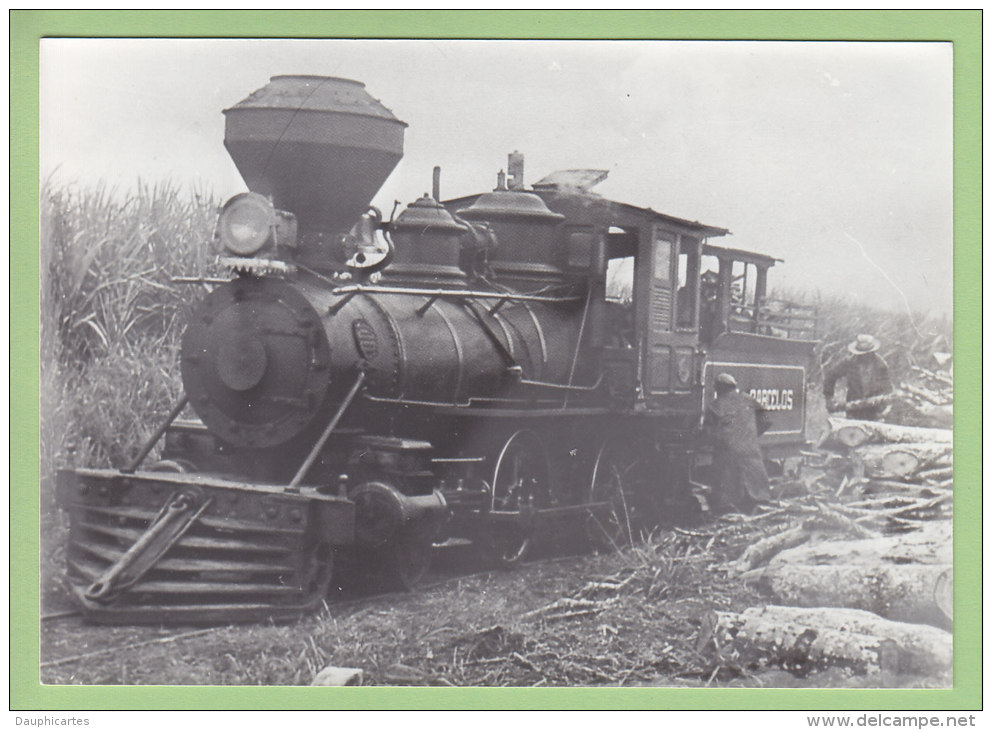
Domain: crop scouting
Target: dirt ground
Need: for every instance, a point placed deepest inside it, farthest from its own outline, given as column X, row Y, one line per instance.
column 619, row 618
column 466, row 626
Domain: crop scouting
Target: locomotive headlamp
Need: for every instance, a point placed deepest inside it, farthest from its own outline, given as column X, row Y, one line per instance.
column 245, row 223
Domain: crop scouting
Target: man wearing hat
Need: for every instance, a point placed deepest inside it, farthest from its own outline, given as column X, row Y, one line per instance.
column 867, row 376
column 734, row 421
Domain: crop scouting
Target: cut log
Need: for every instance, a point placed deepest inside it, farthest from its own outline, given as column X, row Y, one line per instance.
column 930, row 545
column 901, row 460
column 904, row 577
column 762, row 551
column 835, row 518
column 875, row 401
column 944, row 593
column 926, row 508
column 338, row 677
column 904, row 507
column 937, row 399
column 852, row 433
column 899, row 592
column 937, row 475
column 883, row 487
column 939, row 415
column 876, row 503
column 802, row 639
column 939, row 377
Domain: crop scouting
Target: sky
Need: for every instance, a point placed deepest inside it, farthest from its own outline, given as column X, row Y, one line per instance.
column 836, row 157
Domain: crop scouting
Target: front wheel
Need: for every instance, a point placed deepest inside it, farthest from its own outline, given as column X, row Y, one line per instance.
column 407, row 560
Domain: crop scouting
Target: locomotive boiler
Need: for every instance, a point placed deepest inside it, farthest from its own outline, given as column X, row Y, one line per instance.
column 362, row 389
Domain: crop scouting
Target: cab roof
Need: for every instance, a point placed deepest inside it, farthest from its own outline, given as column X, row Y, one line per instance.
column 576, row 203
column 737, row 254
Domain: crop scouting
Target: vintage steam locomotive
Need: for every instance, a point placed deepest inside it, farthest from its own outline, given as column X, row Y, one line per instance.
column 472, row 368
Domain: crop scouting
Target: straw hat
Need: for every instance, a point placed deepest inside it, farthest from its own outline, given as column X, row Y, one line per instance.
column 726, row 379
column 863, row 345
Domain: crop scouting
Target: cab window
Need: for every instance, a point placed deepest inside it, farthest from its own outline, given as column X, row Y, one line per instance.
column 742, row 289
column 620, row 280
column 621, row 265
column 686, row 310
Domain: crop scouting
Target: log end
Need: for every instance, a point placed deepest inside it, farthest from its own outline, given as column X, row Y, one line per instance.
column 338, row 677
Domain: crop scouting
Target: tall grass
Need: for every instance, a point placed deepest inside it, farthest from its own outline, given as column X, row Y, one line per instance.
column 108, row 259
column 111, row 319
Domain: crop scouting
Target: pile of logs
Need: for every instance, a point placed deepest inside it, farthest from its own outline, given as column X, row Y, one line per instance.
column 860, row 567
column 895, row 475
column 887, row 451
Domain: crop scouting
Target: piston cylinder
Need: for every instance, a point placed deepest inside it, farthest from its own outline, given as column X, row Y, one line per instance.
column 382, row 511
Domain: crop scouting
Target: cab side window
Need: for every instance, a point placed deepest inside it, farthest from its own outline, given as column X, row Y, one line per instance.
column 686, row 310
column 709, row 299
column 742, row 297
column 621, row 265
column 620, row 280
column 621, row 275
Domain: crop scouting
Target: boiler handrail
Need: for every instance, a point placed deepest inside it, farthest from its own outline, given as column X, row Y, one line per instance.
column 352, row 289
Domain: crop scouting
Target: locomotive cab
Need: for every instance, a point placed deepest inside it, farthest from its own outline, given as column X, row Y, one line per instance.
column 766, row 343
column 644, row 295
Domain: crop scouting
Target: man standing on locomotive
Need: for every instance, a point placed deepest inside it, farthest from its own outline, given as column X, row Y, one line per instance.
column 869, row 387
column 734, row 421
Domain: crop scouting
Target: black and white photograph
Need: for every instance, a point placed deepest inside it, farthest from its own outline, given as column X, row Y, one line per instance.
column 454, row 363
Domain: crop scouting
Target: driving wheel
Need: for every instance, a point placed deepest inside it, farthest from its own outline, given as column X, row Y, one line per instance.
column 618, row 518
column 520, row 486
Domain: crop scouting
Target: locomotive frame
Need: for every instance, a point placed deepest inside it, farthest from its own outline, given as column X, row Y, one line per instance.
column 475, row 368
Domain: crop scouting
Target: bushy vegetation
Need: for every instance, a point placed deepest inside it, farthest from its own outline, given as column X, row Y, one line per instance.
column 111, row 318
column 907, row 338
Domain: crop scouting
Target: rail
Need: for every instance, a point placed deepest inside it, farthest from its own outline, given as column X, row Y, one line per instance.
column 352, row 289
column 775, row 318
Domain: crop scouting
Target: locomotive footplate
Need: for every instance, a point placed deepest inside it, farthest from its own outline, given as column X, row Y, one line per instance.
column 531, row 516
column 151, row 547
column 466, row 520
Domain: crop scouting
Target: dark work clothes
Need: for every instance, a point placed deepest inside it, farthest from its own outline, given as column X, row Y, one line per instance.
column 867, row 375
column 734, row 421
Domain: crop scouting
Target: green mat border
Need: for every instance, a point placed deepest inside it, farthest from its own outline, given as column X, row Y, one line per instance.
column 962, row 27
